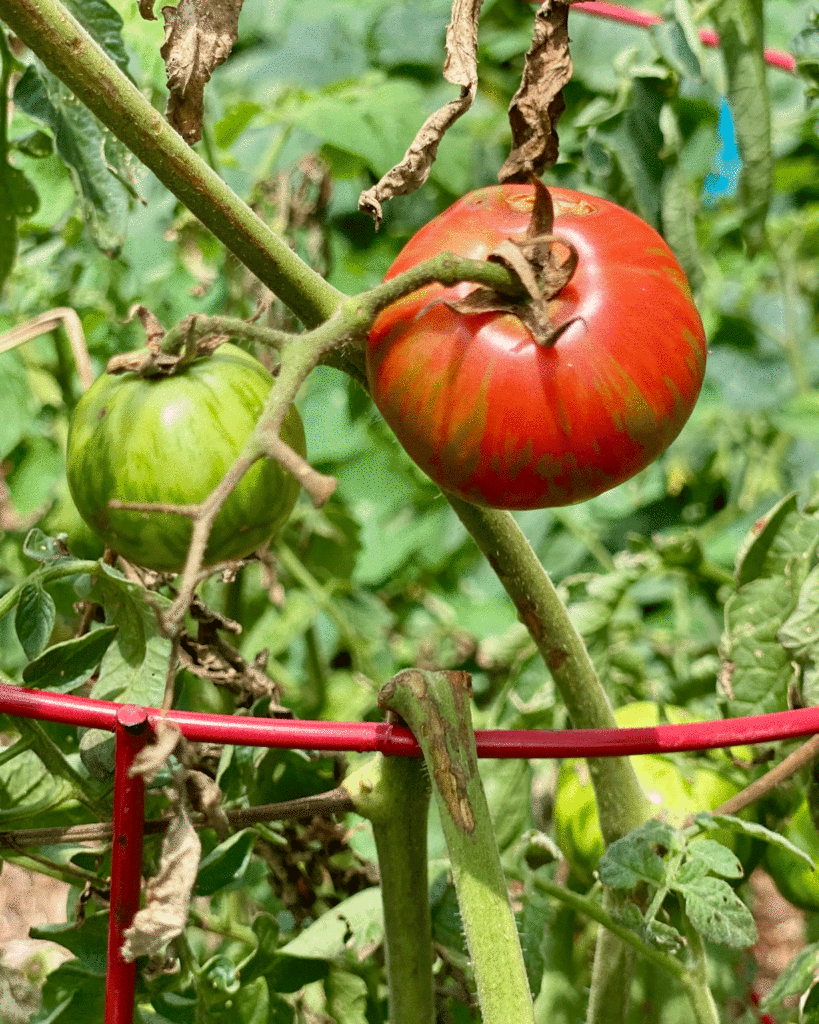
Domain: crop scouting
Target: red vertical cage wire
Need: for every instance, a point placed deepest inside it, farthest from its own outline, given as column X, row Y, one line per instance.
column 132, row 732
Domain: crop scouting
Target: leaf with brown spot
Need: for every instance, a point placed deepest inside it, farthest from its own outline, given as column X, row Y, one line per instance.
column 538, row 103
column 199, row 35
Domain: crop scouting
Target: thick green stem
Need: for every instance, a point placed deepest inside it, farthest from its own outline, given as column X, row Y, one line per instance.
column 435, row 705
column 69, row 52
column 621, row 803
column 393, row 793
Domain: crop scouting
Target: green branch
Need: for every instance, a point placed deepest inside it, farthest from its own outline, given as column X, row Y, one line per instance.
column 622, row 806
column 621, row 803
column 393, row 793
column 69, row 52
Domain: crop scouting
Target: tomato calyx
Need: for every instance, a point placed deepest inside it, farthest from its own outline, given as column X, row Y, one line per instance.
column 159, row 360
column 543, row 262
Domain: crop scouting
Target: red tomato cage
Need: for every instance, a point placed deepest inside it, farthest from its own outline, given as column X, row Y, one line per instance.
column 133, row 727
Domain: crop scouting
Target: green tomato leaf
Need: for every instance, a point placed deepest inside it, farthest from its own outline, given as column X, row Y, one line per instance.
column 708, row 855
column 796, row 978
column 88, row 944
column 65, row 666
column 28, row 788
column 718, row 913
column 634, row 144
column 679, row 205
column 771, row 542
column 34, row 618
column 798, row 634
column 633, row 859
column 680, row 45
column 96, row 160
column 346, row 997
column 252, row 1003
column 354, row 923
column 133, row 669
column 751, row 828
column 739, row 24
column 135, row 666
column 225, row 866
column 758, row 669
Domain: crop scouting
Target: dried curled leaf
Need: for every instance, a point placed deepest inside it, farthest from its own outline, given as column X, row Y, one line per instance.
column 167, row 894
column 460, row 68
column 538, row 103
column 199, row 35
column 151, row 759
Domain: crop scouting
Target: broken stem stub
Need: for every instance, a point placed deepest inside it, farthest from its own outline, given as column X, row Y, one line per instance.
column 436, row 707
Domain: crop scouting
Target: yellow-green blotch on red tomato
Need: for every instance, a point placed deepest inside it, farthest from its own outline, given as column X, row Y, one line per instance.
column 677, row 789
column 170, row 440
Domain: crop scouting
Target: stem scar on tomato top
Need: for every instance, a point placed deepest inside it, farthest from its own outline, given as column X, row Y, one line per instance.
column 556, row 398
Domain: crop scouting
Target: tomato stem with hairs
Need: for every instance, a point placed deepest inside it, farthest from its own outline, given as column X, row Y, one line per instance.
column 436, row 707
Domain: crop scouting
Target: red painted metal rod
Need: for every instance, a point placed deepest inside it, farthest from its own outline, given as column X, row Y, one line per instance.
column 642, row 19
column 132, row 730
column 394, row 740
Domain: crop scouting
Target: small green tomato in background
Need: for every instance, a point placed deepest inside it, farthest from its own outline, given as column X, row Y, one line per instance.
column 170, row 440
column 676, row 791
column 793, row 877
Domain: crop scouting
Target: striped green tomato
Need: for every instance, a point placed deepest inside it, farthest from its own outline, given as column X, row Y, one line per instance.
column 170, row 440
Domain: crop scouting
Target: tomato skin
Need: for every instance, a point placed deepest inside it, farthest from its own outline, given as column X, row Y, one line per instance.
column 171, row 440
column 499, row 420
column 676, row 791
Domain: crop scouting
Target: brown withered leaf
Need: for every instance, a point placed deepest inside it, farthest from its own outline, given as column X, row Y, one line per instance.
column 167, row 894
column 153, row 756
column 199, row 35
column 538, row 103
column 460, row 68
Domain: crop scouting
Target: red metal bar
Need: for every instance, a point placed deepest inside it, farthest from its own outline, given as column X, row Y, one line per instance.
column 392, row 739
column 132, row 731
column 642, row 19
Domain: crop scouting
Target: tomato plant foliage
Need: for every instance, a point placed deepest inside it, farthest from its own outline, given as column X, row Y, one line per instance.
column 384, row 577
column 501, row 419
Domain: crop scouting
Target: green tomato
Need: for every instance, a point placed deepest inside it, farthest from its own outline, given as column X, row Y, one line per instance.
column 793, row 877
column 170, row 440
column 675, row 792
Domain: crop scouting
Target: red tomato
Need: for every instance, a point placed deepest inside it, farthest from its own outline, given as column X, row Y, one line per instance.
column 500, row 420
